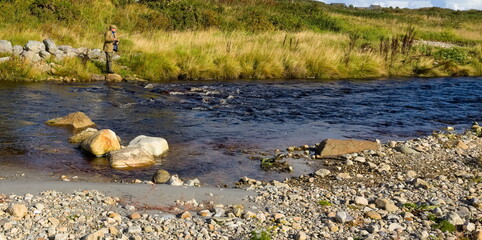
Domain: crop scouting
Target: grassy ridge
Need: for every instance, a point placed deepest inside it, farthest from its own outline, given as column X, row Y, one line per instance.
column 222, row 39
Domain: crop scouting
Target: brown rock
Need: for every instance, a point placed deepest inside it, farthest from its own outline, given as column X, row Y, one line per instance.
column 113, row 78
column 477, row 235
column 135, row 216
column 76, row 120
column 462, row 145
column 334, row 147
column 186, row 215
column 386, row 204
column 18, row 210
column 82, row 136
column 101, row 143
column 161, row 176
column 373, row 215
column 96, row 77
column 131, row 157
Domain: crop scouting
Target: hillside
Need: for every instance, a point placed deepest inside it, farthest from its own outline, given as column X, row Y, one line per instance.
column 220, row 39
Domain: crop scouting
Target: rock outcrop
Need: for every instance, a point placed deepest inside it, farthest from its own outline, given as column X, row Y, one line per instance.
column 77, row 120
column 131, row 157
column 334, row 147
column 155, row 145
column 101, row 143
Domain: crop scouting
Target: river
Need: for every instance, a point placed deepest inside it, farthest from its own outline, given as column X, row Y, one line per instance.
column 214, row 127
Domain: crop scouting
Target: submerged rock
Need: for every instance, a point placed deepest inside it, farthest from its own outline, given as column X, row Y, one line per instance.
column 101, row 143
column 155, row 145
column 130, row 157
column 76, row 120
column 334, row 147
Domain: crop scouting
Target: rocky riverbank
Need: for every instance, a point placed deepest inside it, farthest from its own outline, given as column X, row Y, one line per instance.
column 425, row 188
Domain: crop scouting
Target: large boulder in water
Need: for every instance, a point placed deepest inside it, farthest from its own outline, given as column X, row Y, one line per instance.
column 155, row 145
column 5, row 46
column 131, row 157
column 82, row 136
column 334, row 147
column 101, row 143
column 76, row 120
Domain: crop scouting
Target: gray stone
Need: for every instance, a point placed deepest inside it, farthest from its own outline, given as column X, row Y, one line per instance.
column 96, row 54
column 31, row 56
column 360, row 159
column 65, row 48
column 131, row 157
column 411, row 174
column 44, row 54
column 373, row 228
column 323, row 172
column 17, row 50
column 407, row 150
column 34, row 46
column 420, row 183
column 5, row 59
column 395, row 227
column 454, row 218
column 361, row 201
column 50, row 45
column 343, row 217
column 301, row 236
column 134, row 229
column 175, row 181
column 5, row 46
column 193, row 183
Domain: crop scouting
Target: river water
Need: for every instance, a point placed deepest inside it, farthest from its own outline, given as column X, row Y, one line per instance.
column 214, row 127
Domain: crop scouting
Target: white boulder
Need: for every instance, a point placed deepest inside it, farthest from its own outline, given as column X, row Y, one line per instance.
column 155, row 145
column 5, row 46
column 35, row 46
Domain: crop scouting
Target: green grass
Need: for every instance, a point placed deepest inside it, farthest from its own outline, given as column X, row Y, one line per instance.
column 253, row 39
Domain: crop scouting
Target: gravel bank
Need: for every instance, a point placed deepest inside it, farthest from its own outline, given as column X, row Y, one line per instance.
column 425, row 188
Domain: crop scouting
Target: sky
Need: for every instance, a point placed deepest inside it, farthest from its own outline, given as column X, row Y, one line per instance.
column 453, row 4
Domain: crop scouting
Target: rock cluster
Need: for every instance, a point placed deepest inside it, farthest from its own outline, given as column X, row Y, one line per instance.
column 35, row 51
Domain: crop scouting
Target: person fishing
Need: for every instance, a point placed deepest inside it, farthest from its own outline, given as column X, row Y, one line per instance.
column 110, row 46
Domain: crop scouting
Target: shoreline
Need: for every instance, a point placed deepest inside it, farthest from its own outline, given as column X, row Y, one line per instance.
column 422, row 188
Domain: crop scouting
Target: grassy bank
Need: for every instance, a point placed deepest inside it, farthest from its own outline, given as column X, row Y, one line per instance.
column 191, row 39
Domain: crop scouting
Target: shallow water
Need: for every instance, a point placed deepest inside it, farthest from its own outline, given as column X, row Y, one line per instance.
column 210, row 125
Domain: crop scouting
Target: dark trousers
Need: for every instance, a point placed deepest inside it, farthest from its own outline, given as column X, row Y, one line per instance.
column 108, row 61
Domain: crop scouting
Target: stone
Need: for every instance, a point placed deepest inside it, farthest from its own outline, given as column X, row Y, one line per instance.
column 134, row 229
column 5, row 59
column 301, row 236
column 395, row 227
column 343, row 176
column 101, row 143
column 360, row 159
column 44, row 54
column 186, row 215
column 34, row 46
column 130, row 157
column 477, row 235
column 420, row 183
column 175, row 181
column 155, row 145
column 82, row 136
column 454, row 219
column 5, row 46
column 61, row 236
column 17, row 50
column 112, row 77
column 193, row 183
column 334, row 147
column 343, row 217
column 323, row 172
column 386, row 205
column 135, row 216
column 96, row 54
column 361, row 201
column 97, row 77
column 373, row 228
column 161, row 176
column 373, row 215
column 412, row 174
column 65, row 48
column 18, row 210
column 407, row 150
column 462, row 145
column 50, row 45
column 77, row 120
column 30, row 56
column 205, row 213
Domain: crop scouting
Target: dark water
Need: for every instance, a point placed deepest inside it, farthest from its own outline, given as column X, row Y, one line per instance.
column 209, row 124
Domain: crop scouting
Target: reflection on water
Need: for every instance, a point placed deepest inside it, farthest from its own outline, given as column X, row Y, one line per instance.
column 209, row 125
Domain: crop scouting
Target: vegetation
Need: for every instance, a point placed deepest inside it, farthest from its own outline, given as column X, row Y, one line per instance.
column 226, row 39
